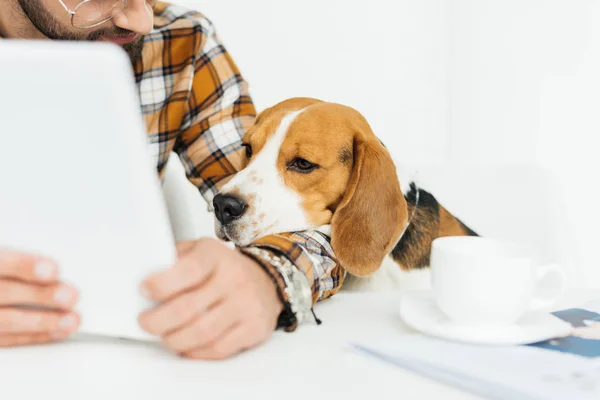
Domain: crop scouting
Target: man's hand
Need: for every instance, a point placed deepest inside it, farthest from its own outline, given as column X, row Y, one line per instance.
column 27, row 282
column 214, row 303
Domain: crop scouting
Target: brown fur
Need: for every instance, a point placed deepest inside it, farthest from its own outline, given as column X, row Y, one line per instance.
column 355, row 188
column 429, row 221
column 369, row 218
column 415, row 246
column 449, row 225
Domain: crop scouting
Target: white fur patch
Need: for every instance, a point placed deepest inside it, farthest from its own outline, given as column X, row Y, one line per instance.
column 272, row 206
column 389, row 278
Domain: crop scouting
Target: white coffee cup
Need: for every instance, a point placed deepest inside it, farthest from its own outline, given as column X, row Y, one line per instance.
column 481, row 281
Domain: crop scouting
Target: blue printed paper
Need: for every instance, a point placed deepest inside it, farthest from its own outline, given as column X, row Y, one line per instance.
column 585, row 338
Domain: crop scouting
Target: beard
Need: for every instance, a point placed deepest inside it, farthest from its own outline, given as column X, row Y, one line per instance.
column 46, row 23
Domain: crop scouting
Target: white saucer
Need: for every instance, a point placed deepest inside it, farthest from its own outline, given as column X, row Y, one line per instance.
column 419, row 311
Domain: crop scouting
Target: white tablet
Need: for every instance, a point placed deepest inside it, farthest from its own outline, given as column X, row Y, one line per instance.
column 77, row 182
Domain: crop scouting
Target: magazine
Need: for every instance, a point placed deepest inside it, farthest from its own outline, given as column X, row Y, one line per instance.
column 585, row 336
column 557, row 369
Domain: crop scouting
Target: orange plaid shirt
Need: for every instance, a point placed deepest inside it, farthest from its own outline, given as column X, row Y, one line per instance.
column 196, row 104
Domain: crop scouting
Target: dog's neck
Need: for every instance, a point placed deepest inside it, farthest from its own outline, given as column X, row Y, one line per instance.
column 428, row 220
column 414, row 245
column 413, row 205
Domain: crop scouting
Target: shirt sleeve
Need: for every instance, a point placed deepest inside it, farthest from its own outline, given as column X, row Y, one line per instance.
column 311, row 252
column 209, row 147
column 220, row 112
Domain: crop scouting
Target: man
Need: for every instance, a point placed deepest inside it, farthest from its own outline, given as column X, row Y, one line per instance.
column 215, row 302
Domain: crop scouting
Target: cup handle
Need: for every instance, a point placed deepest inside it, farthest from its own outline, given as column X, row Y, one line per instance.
column 541, row 272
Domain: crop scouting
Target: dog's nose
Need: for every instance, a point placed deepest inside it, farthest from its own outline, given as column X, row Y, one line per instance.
column 228, row 208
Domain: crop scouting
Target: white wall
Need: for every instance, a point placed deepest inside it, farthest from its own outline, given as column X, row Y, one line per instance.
column 455, row 81
column 524, row 87
column 385, row 58
column 523, row 77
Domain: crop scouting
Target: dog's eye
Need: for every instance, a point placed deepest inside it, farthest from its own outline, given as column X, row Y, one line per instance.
column 248, row 150
column 302, row 165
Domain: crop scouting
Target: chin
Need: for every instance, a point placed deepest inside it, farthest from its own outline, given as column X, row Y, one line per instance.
column 236, row 234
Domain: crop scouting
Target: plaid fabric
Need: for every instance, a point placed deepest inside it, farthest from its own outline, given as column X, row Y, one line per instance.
column 196, row 103
column 193, row 98
column 312, row 253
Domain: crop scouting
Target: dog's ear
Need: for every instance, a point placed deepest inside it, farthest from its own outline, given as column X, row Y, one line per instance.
column 373, row 211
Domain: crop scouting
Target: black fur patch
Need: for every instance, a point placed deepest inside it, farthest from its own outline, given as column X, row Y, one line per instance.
column 421, row 230
column 426, row 199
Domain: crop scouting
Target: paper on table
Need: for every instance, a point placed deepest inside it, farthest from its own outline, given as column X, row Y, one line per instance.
column 585, row 334
column 505, row 373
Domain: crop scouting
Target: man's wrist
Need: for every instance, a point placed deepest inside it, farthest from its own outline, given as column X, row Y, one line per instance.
column 292, row 285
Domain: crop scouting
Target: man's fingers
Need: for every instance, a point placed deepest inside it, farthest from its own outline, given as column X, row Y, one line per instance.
column 229, row 344
column 165, row 284
column 180, row 310
column 191, row 271
column 204, row 329
column 58, row 296
column 22, row 339
column 185, row 247
column 27, row 267
column 18, row 320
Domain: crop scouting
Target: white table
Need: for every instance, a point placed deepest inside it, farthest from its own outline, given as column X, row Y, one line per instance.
column 310, row 363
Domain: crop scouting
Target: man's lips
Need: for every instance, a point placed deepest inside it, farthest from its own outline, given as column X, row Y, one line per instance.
column 120, row 40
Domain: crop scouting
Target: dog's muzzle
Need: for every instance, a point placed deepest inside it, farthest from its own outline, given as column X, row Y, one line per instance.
column 228, row 208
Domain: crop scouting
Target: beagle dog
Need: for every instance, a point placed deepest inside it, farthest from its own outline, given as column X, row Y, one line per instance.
column 318, row 165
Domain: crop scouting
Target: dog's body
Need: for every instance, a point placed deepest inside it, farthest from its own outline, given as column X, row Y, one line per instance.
column 318, row 165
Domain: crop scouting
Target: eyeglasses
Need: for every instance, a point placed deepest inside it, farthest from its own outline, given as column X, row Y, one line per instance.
column 91, row 13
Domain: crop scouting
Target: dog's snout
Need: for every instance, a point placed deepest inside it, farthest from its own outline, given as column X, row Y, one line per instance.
column 228, row 208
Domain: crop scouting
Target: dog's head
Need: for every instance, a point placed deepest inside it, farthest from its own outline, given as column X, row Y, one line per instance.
column 310, row 164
